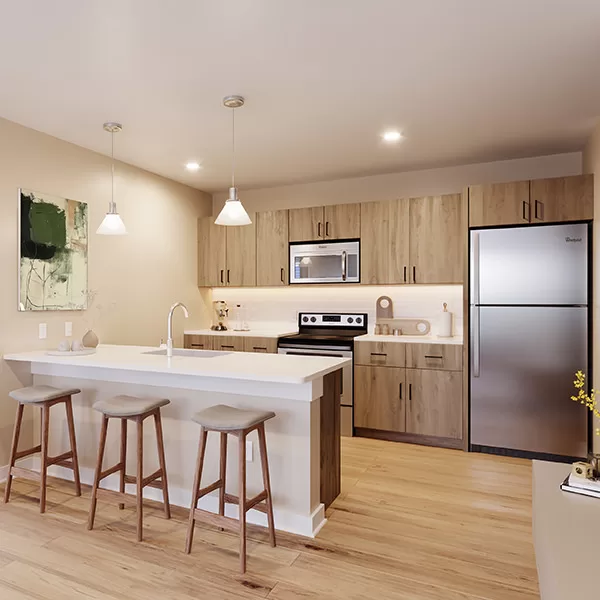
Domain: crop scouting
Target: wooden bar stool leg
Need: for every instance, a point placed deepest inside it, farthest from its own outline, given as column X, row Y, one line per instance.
column 44, row 462
column 71, row 426
column 13, row 450
column 264, row 461
column 123, row 459
column 222, row 473
column 242, row 498
column 162, row 462
column 140, row 477
column 197, row 480
column 99, row 460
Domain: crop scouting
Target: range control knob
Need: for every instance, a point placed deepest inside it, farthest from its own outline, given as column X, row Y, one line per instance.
column 305, row 319
column 350, row 320
column 313, row 319
column 359, row 320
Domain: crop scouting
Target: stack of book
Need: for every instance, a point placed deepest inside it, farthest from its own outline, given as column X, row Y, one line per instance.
column 579, row 485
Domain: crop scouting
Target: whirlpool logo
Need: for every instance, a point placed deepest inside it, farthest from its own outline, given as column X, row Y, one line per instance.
column 572, row 240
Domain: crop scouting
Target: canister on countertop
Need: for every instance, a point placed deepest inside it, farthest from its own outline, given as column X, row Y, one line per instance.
column 445, row 323
column 377, row 330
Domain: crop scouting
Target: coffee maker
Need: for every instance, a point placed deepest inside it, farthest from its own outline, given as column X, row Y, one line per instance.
column 221, row 313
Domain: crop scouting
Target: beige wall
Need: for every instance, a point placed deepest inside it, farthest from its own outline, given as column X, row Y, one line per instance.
column 137, row 276
column 591, row 164
column 403, row 185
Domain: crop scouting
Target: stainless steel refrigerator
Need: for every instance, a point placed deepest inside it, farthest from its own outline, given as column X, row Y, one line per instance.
column 529, row 335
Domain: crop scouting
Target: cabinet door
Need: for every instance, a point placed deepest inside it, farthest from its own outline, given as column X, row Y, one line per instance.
column 384, row 242
column 260, row 344
column 434, row 405
column 241, row 254
column 499, row 204
column 212, row 247
column 197, row 342
column 342, row 221
column 437, row 239
column 228, row 343
column 562, row 199
column 379, row 398
column 306, row 224
column 272, row 248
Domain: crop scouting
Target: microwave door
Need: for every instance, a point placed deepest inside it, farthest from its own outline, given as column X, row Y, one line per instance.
column 313, row 267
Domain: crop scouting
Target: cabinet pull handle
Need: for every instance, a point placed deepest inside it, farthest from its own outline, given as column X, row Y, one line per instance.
column 410, row 391
column 319, row 229
column 378, row 354
column 197, row 345
column 222, row 275
column 434, row 356
column 282, row 275
column 526, row 211
column 404, row 273
column 539, row 216
column 400, row 386
column 414, row 274
column 326, row 228
column 228, row 347
column 227, row 275
column 259, row 348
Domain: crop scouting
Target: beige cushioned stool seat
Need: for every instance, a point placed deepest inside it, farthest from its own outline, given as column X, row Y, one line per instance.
column 128, row 406
column 41, row 393
column 227, row 418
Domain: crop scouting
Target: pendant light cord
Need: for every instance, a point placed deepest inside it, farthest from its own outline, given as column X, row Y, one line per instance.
column 233, row 147
column 112, row 169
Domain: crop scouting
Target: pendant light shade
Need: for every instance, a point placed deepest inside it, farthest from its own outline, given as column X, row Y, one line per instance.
column 233, row 213
column 112, row 223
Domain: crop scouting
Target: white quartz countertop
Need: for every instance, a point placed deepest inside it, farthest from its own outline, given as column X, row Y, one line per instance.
column 241, row 366
column 264, row 333
column 410, row 339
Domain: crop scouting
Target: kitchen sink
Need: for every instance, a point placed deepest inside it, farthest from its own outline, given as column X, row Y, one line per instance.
column 194, row 353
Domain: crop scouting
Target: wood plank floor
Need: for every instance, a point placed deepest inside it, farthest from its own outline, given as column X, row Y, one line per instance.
column 412, row 523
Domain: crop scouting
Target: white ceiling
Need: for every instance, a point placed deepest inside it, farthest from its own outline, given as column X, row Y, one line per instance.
column 465, row 80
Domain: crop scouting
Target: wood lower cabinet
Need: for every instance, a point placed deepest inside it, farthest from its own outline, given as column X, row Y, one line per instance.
column 378, row 398
column 260, row 344
column 561, row 199
column 384, row 242
column 438, row 357
column 228, row 343
column 434, row 405
column 306, row 224
column 437, row 239
column 212, row 253
column 380, row 354
column 272, row 248
column 198, row 342
column 342, row 221
column 241, row 255
column 499, row 204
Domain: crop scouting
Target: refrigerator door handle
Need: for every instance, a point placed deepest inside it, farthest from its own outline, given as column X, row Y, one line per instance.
column 475, row 266
column 475, row 351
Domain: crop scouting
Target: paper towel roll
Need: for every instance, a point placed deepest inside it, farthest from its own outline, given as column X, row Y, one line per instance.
column 445, row 324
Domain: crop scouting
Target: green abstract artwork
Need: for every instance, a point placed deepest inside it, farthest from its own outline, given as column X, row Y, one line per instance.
column 53, row 252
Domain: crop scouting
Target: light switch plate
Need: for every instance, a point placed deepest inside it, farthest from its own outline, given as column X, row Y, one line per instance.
column 249, row 456
column 43, row 331
column 68, row 328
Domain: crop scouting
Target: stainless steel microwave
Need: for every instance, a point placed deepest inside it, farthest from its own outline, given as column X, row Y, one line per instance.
column 325, row 262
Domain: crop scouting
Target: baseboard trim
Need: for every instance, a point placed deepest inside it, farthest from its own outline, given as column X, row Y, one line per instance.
column 410, row 438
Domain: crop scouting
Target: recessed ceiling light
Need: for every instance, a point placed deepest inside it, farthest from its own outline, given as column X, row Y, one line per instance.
column 192, row 166
column 392, row 136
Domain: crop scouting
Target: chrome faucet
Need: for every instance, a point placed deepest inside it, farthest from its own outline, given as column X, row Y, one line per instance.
column 170, row 325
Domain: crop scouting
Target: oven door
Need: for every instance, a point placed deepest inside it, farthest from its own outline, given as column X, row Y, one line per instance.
column 347, row 392
column 335, row 262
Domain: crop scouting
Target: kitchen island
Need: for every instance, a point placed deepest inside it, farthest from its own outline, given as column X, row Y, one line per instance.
column 303, row 440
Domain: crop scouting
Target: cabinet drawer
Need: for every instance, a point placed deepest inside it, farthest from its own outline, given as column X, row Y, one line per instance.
column 198, row 342
column 259, row 344
column 440, row 357
column 379, row 354
column 228, row 343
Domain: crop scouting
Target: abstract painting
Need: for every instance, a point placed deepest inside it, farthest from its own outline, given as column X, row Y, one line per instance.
column 53, row 252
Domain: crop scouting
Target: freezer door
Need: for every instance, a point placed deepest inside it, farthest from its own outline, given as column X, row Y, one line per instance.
column 530, row 265
column 522, row 372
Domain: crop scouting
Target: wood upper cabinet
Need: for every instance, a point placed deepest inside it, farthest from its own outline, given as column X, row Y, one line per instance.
column 272, row 248
column 342, row 221
column 212, row 253
column 379, row 398
column 499, row 204
column 306, row 224
column 437, row 239
column 241, row 254
column 434, row 403
column 562, row 199
column 334, row 222
column 384, row 242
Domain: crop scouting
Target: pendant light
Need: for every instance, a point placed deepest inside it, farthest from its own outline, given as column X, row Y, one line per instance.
column 233, row 213
column 112, row 223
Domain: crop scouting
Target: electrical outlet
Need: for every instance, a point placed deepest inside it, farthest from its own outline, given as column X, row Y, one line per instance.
column 68, row 328
column 249, row 455
column 43, row 331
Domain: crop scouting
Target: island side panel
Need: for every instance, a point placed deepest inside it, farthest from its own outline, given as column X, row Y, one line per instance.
column 331, row 460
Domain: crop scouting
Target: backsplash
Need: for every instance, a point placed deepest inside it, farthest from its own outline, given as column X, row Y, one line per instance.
column 275, row 307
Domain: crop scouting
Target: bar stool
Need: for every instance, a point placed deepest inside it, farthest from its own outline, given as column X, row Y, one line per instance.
column 44, row 396
column 228, row 420
column 133, row 409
